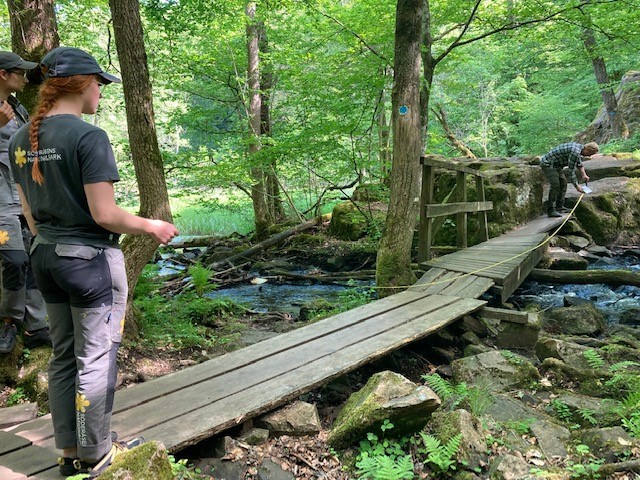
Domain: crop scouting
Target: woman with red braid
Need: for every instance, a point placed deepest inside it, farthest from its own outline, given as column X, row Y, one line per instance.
column 65, row 169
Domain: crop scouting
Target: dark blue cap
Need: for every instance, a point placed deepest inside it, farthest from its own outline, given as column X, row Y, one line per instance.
column 68, row 61
column 9, row 60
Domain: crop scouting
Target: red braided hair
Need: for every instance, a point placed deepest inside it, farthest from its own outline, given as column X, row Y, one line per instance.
column 50, row 92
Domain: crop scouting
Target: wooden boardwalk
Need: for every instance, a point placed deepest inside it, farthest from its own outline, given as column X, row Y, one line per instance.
column 196, row 403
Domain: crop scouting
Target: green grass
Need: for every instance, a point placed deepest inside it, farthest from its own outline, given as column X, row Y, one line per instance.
column 220, row 216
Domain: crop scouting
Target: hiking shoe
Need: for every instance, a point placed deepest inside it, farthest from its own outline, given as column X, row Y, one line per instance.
column 554, row 214
column 37, row 338
column 67, row 467
column 7, row 337
column 95, row 469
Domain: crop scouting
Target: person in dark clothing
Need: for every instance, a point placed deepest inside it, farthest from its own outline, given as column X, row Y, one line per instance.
column 65, row 169
column 565, row 155
column 21, row 304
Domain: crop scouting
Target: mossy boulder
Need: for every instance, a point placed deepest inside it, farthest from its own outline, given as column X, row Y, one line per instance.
column 353, row 220
column 583, row 319
column 386, row 395
column 371, row 192
column 611, row 214
column 497, row 371
column 149, row 461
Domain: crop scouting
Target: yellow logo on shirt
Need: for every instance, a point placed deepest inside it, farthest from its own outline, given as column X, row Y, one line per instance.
column 21, row 157
column 4, row 237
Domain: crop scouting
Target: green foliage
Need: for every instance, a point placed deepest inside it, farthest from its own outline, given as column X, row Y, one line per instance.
column 182, row 471
column 594, row 359
column 441, row 456
column 17, row 397
column 383, row 459
column 477, row 398
column 200, row 276
column 562, row 410
column 522, row 427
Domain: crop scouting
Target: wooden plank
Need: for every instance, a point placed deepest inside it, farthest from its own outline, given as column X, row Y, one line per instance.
column 425, row 227
column 10, row 442
column 8, row 474
column 213, row 368
column 482, row 217
column 172, row 405
column 461, row 218
column 18, row 414
column 457, row 207
column 504, row 315
column 29, row 460
column 247, row 403
column 432, row 162
column 471, row 286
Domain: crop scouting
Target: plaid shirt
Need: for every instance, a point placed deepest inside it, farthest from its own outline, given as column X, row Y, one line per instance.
column 565, row 155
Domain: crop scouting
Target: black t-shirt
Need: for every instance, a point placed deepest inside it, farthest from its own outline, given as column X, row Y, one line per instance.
column 72, row 153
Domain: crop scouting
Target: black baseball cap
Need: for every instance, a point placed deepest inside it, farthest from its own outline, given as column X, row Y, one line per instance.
column 68, row 61
column 9, row 60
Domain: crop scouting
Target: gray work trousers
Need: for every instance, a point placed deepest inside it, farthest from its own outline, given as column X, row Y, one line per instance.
column 85, row 289
column 557, row 187
column 20, row 300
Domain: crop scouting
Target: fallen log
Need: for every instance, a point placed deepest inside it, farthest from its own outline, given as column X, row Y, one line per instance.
column 609, row 277
column 271, row 241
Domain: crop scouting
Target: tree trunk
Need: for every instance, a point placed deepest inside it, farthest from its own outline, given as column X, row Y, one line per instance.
column 147, row 161
column 441, row 115
column 586, row 277
column 384, row 131
column 34, row 32
column 616, row 122
column 274, row 200
column 393, row 267
column 258, row 189
column 428, row 69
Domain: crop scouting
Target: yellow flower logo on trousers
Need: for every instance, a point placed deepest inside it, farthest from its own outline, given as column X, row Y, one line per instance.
column 4, row 237
column 81, row 402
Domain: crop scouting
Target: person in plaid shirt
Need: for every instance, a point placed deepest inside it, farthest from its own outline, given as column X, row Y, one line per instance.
column 564, row 155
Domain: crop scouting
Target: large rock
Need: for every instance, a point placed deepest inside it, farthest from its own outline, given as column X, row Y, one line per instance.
column 584, row 319
column 611, row 214
column 473, row 447
column 299, row 418
column 518, row 336
column 556, row 348
column 149, row 461
column 386, row 395
column 497, row 371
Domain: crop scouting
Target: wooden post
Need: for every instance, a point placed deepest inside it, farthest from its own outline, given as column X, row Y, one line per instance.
column 425, row 230
column 482, row 216
column 461, row 218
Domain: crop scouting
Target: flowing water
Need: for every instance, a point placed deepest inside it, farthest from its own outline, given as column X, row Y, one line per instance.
column 617, row 303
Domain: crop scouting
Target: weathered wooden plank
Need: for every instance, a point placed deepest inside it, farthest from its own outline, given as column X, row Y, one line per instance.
column 35, row 430
column 17, row 414
column 230, row 382
column 29, row 460
column 471, row 286
column 504, row 315
column 212, row 368
column 51, row 474
column 188, row 429
column 10, row 442
column 457, row 207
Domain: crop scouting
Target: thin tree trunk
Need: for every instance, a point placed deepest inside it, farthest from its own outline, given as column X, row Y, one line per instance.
column 393, row 267
column 258, row 189
column 147, row 161
column 384, row 138
column 274, row 201
column 429, row 64
column 586, row 277
column 34, row 32
column 441, row 115
column 616, row 122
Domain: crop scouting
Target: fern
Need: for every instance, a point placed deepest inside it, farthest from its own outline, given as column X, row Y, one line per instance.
column 587, row 415
column 442, row 387
column 616, row 367
column 563, row 412
column 632, row 424
column 594, row 359
column 439, row 455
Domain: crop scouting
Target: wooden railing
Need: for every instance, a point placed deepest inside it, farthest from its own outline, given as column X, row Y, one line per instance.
column 429, row 210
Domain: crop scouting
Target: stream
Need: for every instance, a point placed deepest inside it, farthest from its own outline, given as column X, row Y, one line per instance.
column 619, row 304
